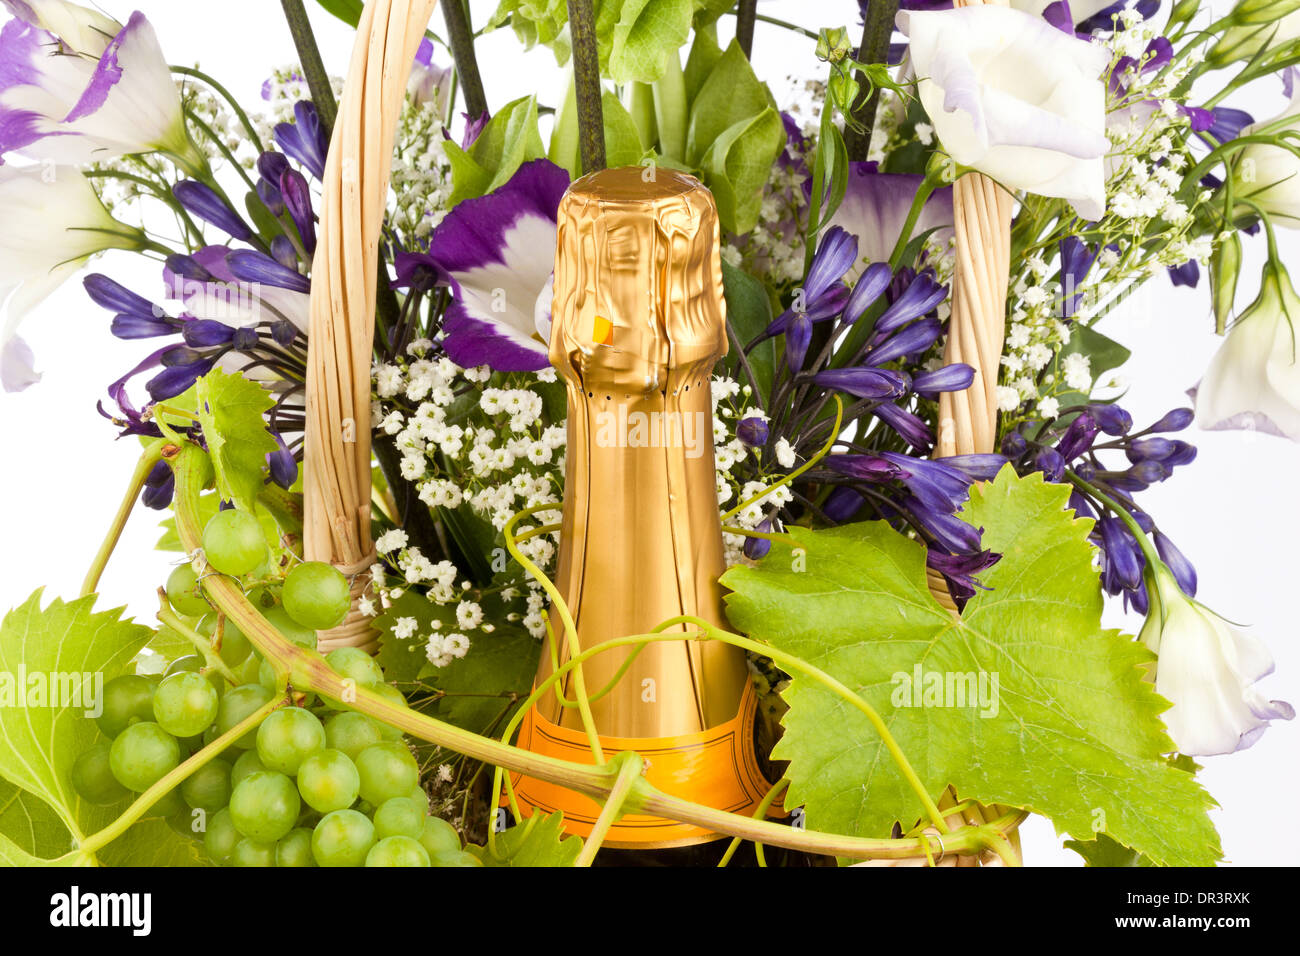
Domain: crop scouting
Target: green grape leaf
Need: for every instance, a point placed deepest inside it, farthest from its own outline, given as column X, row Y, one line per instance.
column 509, row 140
column 1025, row 700
column 230, row 410
column 738, row 165
column 538, row 841
column 730, row 94
column 402, row 659
column 45, row 725
column 1104, row 851
column 479, row 685
column 13, row 855
column 647, row 33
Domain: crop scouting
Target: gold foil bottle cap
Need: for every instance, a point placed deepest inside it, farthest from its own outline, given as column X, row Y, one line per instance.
column 638, row 303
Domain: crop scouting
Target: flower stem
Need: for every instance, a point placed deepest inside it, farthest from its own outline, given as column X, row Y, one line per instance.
column 313, row 68
column 631, row 766
column 221, row 91
column 586, row 79
column 876, row 29
column 745, row 12
column 460, row 40
column 152, row 455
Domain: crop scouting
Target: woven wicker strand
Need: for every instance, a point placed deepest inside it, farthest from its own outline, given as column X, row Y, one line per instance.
column 336, row 459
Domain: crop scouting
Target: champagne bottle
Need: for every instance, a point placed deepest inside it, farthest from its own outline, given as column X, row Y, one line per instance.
column 638, row 324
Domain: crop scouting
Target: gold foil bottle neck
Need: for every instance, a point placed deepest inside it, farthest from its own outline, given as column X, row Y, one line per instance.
column 638, row 303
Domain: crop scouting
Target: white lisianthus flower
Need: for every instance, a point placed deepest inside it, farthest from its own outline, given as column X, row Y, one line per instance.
column 77, row 87
column 1253, row 381
column 54, row 222
column 1014, row 97
column 1206, row 667
column 1268, row 175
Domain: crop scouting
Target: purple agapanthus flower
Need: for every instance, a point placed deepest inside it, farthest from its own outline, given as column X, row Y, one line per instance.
column 497, row 254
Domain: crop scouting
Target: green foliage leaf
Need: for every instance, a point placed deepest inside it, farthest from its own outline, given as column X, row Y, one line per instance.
column 230, row 409
column 704, row 56
column 349, row 11
column 538, row 841
column 738, row 165
column 749, row 312
column 1075, row 732
column 647, row 33
column 730, row 94
column 622, row 141
column 509, row 140
column 1103, row 354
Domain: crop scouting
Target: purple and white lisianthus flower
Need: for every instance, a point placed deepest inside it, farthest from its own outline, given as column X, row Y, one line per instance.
column 1015, row 98
column 497, row 253
column 54, row 222
column 1206, row 668
column 77, row 87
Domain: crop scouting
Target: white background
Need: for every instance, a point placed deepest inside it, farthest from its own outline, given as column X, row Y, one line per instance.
column 1234, row 512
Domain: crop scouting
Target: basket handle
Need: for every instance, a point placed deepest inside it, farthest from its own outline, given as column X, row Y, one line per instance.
column 336, row 458
column 982, row 227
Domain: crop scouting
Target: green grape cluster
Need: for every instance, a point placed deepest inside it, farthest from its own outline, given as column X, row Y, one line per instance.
column 314, row 784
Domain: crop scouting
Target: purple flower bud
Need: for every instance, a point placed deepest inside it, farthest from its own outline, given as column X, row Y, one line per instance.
column 1122, row 559
column 170, row 382
column 1182, row 454
column 956, row 377
column 836, row 253
column 922, row 296
column 1183, row 571
column 797, row 339
column 1174, row 421
column 1086, row 470
column 873, row 468
column 297, row 199
column 1014, row 445
column 304, row 139
column 1188, row 274
column 206, row 333
column 139, row 327
column 977, row 467
column 270, row 165
column 873, row 281
column 1111, row 419
column 208, row 206
column 1051, row 464
column 248, row 265
column 1079, row 437
column 158, row 487
column 914, row 431
column 245, row 339
column 865, row 382
column 1149, row 449
column 271, row 197
column 752, row 431
column 842, row 504
column 283, row 252
column 915, row 338
column 284, row 332
column 111, row 295
column 1150, row 472
column 187, row 267
column 756, row 548
column 283, row 467
column 952, row 534
column 1079, row 505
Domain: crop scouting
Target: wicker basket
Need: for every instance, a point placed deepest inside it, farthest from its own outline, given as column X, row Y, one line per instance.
column 337, row 466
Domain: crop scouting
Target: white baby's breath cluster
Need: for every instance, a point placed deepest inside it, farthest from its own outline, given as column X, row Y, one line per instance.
column 421, row 179
column 739, row 474
column 1146, row 227
column 282, row 89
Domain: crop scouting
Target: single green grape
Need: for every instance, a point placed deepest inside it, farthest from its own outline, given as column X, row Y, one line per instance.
column 351, row 733
column 459, row 858
column 279, row 618
column 400, row 816
column 342, row 838
column 143, row 754
column 328, row 781
column 387, row 770
column 92, row 777
column 220, row 837
column 233, row 542
column 247, row 762
column 294, row 849
column 194, row 664
column 185, row 704
column 355, row 665
column 208, row 788
column 239, row 703
column 169, row 804
column 184, row 592
column 316, row 595
column 265, row 806
column 439, row 837
column 288, row 737
column 235, row 646
column 397, row 851
column 126, row 700
column 250, row 852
